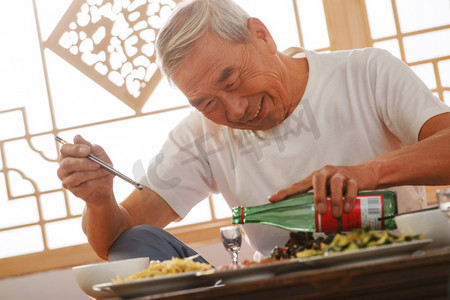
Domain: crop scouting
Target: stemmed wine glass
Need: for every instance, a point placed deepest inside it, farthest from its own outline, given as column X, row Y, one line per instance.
column 443, row 198
column 232, row 240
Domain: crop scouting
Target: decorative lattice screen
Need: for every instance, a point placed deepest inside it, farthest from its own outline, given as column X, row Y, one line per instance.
column 113, row 43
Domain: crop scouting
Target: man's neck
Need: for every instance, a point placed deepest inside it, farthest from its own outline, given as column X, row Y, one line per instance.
column 298, row 71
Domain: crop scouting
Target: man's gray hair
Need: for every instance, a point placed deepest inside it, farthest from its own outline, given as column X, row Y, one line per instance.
column 191, row 20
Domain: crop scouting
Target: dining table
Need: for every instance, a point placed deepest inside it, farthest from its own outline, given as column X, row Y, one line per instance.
column 418, row 275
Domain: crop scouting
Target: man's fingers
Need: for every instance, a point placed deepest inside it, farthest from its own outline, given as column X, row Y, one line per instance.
column 337, row 184
column 351, row 195
column 69, row 165
column 78, row 139
column 319, row 182
column 75, row 150
column 79, row 148
column 76, row 179
column 94, row 149
column 73, row 164
column 296, row 188
column 83, row 188
column 278, row 196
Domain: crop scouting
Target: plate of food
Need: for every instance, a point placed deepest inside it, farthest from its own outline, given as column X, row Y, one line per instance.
column 160, row 277
column 305, row 251
column 360, row 245
column 365, row 255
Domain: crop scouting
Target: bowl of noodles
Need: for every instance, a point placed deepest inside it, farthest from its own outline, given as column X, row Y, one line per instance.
column 172, row 266
column 161, row 277
column 89, row 275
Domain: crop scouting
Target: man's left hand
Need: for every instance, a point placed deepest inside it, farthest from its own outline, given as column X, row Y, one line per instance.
column 341, row 182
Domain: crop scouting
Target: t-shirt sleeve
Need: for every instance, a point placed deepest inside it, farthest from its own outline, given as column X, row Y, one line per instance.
column 180, row 172
column 403, row 101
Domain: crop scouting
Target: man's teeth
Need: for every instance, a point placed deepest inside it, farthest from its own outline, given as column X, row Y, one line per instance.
column 257, row 112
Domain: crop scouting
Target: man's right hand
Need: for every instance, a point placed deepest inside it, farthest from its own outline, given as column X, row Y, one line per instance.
column 84, row 178
column 104, row 219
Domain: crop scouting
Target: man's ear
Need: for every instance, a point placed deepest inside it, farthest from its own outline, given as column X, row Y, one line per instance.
column 260, row 32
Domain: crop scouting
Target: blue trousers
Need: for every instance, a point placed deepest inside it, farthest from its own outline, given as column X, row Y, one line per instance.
column 149, row 241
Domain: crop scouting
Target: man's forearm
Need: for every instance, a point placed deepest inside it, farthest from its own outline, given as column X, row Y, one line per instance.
column 424, row 163
column 103, row 224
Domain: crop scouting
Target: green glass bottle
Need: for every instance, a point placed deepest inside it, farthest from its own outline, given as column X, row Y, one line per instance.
column 297, row 213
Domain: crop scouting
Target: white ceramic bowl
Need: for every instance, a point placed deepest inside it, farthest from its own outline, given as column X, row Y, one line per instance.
column 89, row 275
column 433, row 224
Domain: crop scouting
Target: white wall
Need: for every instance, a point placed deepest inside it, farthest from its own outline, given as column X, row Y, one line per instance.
column 60, row 284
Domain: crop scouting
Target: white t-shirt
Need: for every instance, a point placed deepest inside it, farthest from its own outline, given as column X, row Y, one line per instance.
column 358, row 104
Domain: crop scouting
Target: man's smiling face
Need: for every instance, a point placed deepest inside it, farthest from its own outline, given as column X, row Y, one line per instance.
column 238, row 85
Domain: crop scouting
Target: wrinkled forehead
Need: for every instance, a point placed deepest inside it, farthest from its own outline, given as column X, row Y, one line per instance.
column 209, row 61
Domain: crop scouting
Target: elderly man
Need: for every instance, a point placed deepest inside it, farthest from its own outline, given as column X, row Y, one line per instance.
column 267, row 123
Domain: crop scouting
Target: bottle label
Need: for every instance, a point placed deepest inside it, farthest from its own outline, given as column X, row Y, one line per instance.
column 367, row 210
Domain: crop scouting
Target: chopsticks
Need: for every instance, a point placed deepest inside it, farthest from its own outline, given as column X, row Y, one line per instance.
column 409, row 212
column 106, row 166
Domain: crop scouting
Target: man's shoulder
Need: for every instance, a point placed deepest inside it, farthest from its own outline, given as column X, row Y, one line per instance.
column 362, row 58
column 358, row 53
